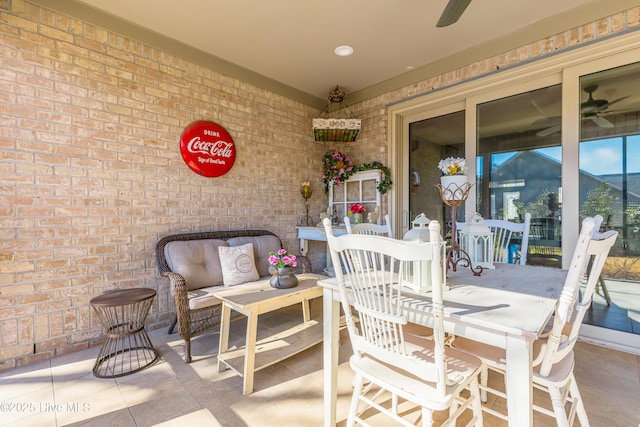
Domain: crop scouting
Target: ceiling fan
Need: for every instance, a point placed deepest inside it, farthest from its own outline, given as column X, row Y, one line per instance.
column 452, row 12
column 592, row 109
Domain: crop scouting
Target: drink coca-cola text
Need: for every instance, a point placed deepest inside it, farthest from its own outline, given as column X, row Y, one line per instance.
column 214, row 149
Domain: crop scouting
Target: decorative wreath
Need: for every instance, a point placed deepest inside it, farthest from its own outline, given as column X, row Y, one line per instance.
column 336, row 168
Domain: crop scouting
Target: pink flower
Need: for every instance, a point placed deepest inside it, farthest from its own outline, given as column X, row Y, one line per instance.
column 281, row 259
column 289, row 260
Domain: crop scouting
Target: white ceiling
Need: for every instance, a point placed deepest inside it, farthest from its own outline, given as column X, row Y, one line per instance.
column 292, row 41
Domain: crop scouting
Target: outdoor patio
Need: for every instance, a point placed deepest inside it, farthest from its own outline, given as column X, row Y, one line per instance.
column 64, row 392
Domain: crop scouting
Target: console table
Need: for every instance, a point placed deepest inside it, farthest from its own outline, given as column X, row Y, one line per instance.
column 253, row 300
column 318, row 234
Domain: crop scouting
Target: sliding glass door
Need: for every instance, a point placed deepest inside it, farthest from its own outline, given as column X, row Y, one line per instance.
column 519, row 164
column 610, row 186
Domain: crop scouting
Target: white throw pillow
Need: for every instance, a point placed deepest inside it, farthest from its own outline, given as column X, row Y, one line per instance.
column 238, row 264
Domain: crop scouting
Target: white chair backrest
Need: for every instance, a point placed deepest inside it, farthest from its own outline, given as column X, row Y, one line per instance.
column 503, row 232
column 368, row 228
column 586, row 265
column 375, row 294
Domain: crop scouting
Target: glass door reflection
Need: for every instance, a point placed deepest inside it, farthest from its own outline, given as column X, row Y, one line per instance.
column 610, row 186
column 518, row 167
column 430, row 141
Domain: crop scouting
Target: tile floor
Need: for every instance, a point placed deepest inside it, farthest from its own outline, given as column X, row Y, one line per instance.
column 64, row 392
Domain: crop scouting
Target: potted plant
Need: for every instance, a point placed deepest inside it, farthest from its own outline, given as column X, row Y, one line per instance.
column 282, row 270
column 357, row 210
column 454, row 180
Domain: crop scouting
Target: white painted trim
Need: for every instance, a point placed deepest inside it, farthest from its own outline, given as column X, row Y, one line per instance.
column 609, row 338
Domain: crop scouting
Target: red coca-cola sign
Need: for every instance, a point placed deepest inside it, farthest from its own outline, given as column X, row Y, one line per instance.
column 207, row 148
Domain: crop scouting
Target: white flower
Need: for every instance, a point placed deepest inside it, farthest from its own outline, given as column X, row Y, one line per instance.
column 453, row 166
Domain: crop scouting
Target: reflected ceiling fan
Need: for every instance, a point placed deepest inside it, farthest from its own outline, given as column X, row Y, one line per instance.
column 452, row 12
column 592, row 109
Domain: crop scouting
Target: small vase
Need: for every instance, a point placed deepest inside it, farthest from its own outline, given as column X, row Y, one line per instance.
column 454, row 187
column 357, row 218
column 283, row 277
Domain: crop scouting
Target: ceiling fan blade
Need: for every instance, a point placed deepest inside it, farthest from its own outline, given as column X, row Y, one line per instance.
column 601, row 121
column 546, row 121
column 623, row 111
column 610, row 103
column 537, row 107
column 452, row 12
column 548, row 131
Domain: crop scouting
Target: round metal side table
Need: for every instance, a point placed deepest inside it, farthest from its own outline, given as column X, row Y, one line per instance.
column 127, row 348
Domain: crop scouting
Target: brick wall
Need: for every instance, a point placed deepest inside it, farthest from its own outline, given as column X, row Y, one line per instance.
column 91, row 175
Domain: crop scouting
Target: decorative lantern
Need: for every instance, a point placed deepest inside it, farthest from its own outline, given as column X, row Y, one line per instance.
column 476, row 240
column 417, row 275
column 420, row 230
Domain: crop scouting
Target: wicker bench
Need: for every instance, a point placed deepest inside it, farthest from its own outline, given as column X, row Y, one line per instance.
column 191, row 262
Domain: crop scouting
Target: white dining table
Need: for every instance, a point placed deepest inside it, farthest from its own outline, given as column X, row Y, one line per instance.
column 507, row 307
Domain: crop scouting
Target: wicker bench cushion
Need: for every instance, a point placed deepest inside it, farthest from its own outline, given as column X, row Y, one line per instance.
column 197, row 261
column 203, row 297
column 262, row 245
column 206, row 297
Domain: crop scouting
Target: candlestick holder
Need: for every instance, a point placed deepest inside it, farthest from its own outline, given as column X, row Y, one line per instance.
column 306, row 192
column 454, row 195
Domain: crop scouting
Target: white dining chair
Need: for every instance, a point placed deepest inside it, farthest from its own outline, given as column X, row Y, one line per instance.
column 553, row 353
column 385, row 230
column 503, row 232
column 369, row 228
column 423, row 372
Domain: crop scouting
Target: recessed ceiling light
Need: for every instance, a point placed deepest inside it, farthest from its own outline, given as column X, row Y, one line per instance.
column 344, row 50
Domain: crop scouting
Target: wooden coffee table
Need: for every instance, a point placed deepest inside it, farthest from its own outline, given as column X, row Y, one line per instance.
column 253, row 301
